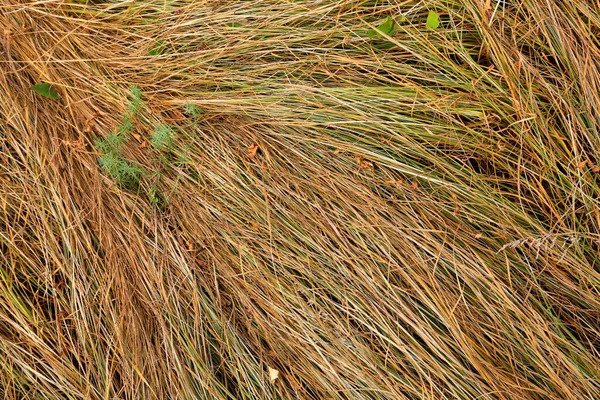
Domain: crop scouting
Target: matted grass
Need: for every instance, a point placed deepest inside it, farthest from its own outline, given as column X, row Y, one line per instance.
column 228, row 188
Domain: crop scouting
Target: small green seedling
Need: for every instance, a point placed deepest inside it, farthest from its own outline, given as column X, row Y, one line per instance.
column 163, row 137
column 153, row 193
column 153, row 196
column 389, row 27
column 158, row 48
column 136, row 102
column 192, row 110
column 125, row 173
column 433, row 20
column 112, row 143
column 44, row 89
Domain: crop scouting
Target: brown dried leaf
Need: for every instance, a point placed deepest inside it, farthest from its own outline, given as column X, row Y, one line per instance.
column 395, row 182
column 252, row 150
column 364, row 163
column 582, row 164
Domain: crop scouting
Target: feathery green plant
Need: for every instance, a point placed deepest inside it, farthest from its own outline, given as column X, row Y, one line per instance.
column 163, row 137
column 192, row 110
column 125, row 173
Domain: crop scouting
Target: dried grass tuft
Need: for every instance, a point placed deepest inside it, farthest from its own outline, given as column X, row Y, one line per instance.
column 312, row 206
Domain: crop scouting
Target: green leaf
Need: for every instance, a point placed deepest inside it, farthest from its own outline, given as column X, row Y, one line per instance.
column 388, row 28
column 234, row 24
column 157, row 48
column 44, row 89
column 433, row 20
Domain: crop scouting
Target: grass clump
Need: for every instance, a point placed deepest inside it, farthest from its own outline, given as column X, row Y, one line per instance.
column 406, row 214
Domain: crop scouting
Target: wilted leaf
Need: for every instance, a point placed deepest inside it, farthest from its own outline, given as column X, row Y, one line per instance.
column 388, row 27
column 582, row 164
column 395, row 182
column 44, row 89
column 433, row 20
column 273, row 374
column 364, row 163
column 252, row 150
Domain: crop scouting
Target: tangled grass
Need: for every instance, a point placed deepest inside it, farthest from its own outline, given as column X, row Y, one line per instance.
column 228, row 189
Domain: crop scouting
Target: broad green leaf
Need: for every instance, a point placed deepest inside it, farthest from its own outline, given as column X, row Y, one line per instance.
column 157, row 48
column 433, row 20
column 388, row 27
column 44, row 89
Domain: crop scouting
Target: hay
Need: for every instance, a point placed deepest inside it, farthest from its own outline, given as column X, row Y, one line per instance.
column 273, row 199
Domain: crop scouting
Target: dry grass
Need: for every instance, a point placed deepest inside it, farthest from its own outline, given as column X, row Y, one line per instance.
column 413, row 216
